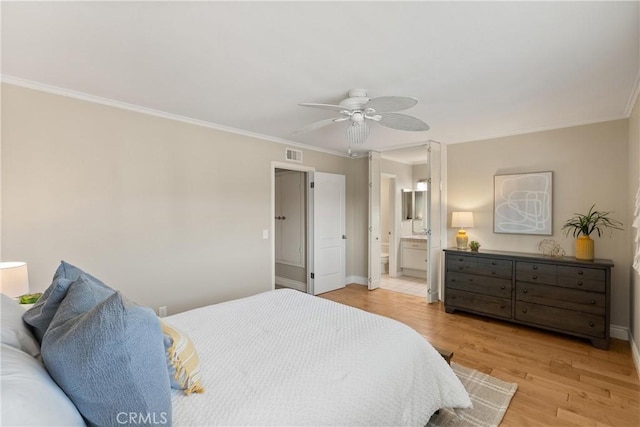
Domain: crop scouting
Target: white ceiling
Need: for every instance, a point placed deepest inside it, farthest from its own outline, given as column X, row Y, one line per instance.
column 479, row 69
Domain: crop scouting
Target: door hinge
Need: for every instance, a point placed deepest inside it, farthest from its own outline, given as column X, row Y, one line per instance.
column 313, row 184
column 313, row 276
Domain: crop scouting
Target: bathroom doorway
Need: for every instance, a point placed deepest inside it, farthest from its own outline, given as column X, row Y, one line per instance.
column 410, row 179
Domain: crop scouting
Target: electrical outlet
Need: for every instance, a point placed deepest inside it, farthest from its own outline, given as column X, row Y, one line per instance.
column 162, row 311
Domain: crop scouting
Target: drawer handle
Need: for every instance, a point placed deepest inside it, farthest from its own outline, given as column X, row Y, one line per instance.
column 453, row 297
column 534, row 277
column 493, row 263
column 461, row 259
column 502, row 287
column 524, row 291
column 524, row 310
column 471, row 279
column 592, row 324
column 579, row 282
column 580, row 272
column 593, row 301
column 461, row 268
column 535, row 267
column 493, row 272
column 502, row 305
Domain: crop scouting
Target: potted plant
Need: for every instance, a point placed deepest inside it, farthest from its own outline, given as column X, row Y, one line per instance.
column 581, row 226
column 474, row 245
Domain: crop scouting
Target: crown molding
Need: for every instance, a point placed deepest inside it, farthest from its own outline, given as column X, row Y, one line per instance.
column 542, row 129
column 16, row 81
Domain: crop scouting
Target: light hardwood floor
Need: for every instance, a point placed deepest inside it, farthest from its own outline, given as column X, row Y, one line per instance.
column 561, row 380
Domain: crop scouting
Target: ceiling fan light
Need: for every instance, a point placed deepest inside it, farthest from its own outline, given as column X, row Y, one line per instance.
column 357, row 133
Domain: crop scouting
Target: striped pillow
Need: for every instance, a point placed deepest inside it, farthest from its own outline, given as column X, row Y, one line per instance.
column 182, row 361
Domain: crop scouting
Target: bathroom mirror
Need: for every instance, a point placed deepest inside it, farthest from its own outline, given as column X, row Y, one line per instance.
column 419, row 204
column 407, row 204
column 419, row 211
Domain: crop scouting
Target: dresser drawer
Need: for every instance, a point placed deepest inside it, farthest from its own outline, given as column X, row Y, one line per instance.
column 590, row 279
column 478, row 303
column 554, row 296
column 535, row 273
column 495, row 267
column 479, row 284
column 461, row 263
column 560, row 319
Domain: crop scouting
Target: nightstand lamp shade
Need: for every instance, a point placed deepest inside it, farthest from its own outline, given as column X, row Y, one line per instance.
column 14, row 279
column 462, row 220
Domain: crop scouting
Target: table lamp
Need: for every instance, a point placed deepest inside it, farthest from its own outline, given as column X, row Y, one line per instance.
column 462, row 220
column 14, row 279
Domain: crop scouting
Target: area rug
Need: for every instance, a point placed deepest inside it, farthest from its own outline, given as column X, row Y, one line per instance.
column 489, row 395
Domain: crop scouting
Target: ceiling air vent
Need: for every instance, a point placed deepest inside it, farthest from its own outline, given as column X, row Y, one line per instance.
column 293, row 155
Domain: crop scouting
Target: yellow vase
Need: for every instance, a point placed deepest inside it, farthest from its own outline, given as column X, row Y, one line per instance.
column 584, row 248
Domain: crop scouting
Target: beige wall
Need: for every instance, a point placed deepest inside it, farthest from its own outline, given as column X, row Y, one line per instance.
column 590, row 165
column 168, row 212
column 634, row 178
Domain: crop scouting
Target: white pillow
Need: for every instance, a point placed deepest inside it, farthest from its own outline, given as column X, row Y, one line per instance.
column 29, row 396
column 14, row 330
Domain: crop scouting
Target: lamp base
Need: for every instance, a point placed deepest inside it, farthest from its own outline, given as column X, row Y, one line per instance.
column 462, row 241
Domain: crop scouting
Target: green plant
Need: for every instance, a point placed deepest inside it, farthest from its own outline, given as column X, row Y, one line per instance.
column 30, row 298
column 585, row 224
column 474, row 245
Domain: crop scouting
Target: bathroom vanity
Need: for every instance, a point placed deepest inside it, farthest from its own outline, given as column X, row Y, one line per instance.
column 413, row 255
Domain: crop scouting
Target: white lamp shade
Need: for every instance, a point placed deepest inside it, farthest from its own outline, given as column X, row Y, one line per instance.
column 462, row 219
column 14, row 278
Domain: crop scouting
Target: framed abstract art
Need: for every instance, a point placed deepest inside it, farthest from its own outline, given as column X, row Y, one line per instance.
column 523, row 203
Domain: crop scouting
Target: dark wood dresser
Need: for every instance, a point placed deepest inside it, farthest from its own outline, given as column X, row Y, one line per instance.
column 559, row 294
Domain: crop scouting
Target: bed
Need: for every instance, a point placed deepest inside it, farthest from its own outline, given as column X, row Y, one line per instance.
column 288, row 358
column 277, row 358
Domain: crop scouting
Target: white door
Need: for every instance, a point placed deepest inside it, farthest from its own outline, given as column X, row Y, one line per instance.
column 434, row 222
column 329, row 240
column 374, row 221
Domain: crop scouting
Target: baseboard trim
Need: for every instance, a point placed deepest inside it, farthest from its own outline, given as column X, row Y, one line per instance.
column 294, row 284
column 635, row 353
column 619, row 332
column 358, row 280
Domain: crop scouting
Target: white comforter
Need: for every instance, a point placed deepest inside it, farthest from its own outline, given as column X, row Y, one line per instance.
column 287, row 358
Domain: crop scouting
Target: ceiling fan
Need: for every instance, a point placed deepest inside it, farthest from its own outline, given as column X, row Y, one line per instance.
column 359, row 110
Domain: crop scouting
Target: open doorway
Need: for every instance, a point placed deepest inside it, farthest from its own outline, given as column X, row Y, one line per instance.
column 414, row 229
column 308, row 223
column 290, row 229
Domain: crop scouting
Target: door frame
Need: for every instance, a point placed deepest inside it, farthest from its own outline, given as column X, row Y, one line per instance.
column 393, row 221
column 308, row 171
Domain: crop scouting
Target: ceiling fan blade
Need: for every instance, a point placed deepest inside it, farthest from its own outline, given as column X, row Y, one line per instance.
column 357, row 133
column 330, row 107
column 316, row 125
column 403, row 122
column 385, row 104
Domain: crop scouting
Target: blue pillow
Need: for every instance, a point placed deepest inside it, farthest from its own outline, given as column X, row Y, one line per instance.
column 40, row 315
column 109, row 359
column 72, row 272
